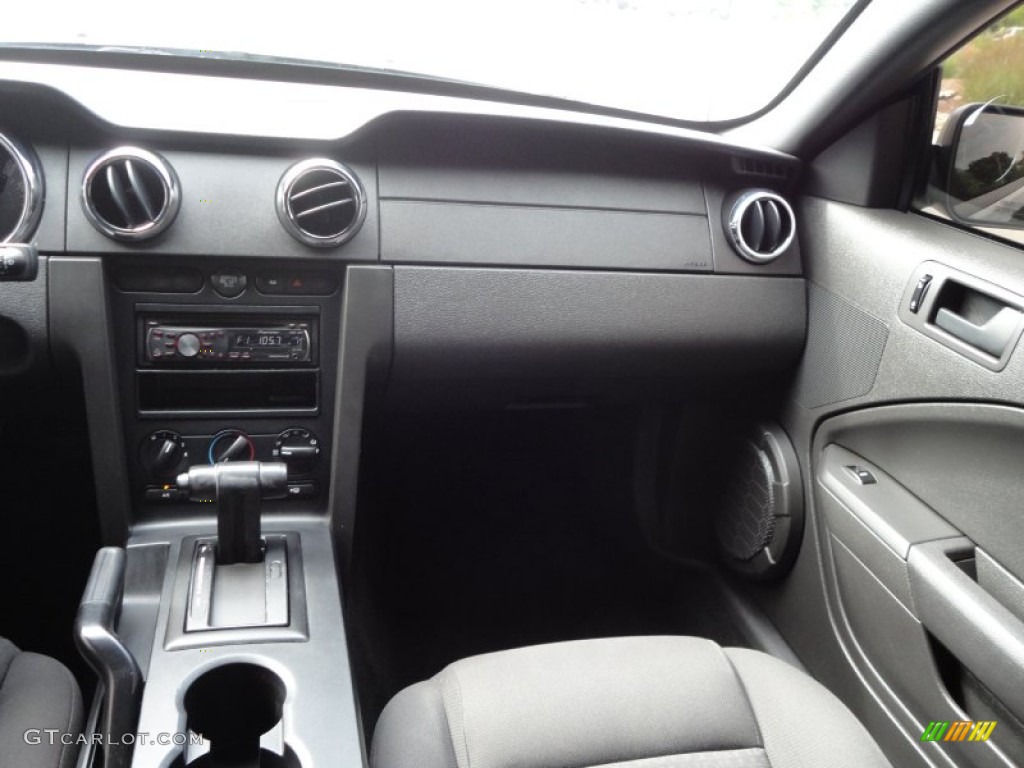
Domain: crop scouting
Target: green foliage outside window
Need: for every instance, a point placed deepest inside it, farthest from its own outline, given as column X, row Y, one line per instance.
column 992, row 64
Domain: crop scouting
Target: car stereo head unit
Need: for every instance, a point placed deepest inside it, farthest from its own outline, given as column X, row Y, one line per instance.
column 283, row 343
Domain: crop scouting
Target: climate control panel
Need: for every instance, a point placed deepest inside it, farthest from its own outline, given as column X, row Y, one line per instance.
column 165, row 453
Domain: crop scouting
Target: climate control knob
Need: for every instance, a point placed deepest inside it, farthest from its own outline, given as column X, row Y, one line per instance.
column 298, row 448
column 231, row 445
column 163, row 454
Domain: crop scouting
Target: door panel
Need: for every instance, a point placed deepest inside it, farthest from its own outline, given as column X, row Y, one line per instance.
column 920, row 575
column 918, row 620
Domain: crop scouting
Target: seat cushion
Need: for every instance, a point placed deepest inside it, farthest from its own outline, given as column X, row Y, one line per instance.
column 642, row 702
column 37, row 693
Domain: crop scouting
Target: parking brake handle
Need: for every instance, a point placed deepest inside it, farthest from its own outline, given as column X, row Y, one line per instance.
column 109, row 657
column 238, row 488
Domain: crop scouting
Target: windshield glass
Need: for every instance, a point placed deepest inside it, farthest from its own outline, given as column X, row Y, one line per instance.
column 684, row 59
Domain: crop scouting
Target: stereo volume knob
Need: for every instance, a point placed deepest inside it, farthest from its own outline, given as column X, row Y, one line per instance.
column 188, row 345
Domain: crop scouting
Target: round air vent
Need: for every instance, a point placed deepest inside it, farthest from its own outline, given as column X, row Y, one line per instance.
column 130, row 194
column 760, row 225
column 321, row 202
column 21, row 191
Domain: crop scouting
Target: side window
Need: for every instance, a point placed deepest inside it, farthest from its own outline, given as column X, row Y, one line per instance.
column 977, row 178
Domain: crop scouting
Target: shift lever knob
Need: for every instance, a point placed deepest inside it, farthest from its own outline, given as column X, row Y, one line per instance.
column 238, row 488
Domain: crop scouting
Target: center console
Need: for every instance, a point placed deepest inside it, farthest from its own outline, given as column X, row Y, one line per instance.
column 246, row 663
column 217, row 630
column 219, row 364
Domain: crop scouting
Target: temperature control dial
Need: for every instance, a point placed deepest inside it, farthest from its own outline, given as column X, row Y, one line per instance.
column 298, row 448
column 231, row 445
column 163, row 454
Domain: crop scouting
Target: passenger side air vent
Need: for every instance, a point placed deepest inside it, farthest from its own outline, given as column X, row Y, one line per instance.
column 21, row 192
column 321, row 202
column 130, row 194
column 760, row 225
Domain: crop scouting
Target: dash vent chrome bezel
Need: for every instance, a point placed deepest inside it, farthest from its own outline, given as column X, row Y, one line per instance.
column 734, row 225
column 290, row 219
column 168, row 181
column 35, row 190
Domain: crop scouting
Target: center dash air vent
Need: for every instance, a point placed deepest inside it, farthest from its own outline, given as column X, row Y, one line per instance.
column 130, row 194
column 321, row 202
column 760, row 225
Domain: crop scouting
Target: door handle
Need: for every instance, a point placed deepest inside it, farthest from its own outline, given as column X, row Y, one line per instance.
column 992, row 336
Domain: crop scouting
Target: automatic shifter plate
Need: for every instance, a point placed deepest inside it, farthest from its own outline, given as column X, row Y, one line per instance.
column 242, row 595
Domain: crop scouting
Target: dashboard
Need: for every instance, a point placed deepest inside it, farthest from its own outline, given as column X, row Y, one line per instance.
column 235, row 267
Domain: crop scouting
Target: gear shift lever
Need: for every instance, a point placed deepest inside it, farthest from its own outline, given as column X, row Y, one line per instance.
column 238, row 488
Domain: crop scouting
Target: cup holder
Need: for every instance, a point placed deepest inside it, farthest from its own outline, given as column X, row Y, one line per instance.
column 237, row 708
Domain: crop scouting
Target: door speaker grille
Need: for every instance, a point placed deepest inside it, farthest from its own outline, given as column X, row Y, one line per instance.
column 760, row 521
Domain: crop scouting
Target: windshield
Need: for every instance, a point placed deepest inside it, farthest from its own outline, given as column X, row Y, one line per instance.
column 692, row 60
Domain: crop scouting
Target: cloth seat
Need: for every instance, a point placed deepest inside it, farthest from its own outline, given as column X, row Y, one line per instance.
column 636, row 702
column 37, row 693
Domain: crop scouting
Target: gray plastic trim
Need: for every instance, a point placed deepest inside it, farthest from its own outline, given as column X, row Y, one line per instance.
column 50, row 234
column 116, row 667
column 999, row 582
column 847, row 531
column 515, row 162
column 87, row 754
column 321, row 723
column 469, row 233
column 886, row 508
column 874, row 604
column 962, row 460
column 179, row 633
column 986, row 636
column 143, row 582
column 455, row 323
column 364, row 357
column 81, row 330
column 227, row 209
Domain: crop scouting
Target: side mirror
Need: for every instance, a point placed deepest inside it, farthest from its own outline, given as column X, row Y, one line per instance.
column 982, row 146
